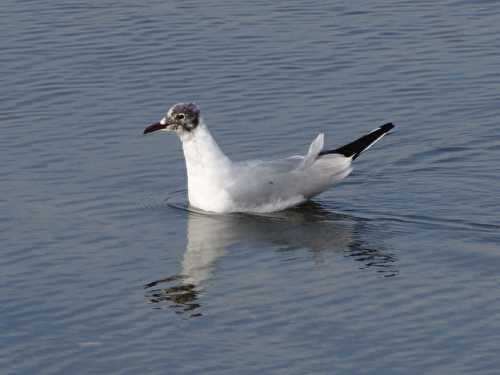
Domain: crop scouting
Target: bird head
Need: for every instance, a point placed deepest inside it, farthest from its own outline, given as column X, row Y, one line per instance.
column 180, row 118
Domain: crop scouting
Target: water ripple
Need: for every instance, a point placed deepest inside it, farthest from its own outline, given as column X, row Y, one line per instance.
column 100, row 274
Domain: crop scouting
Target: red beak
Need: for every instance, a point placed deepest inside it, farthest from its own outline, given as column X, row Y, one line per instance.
column 154, row 127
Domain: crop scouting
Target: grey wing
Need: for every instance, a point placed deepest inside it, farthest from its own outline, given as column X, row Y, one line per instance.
column 258, row 182
column 287, row 164
column 285, row 181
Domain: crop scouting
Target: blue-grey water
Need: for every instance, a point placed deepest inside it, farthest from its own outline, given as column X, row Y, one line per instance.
column 394, row 271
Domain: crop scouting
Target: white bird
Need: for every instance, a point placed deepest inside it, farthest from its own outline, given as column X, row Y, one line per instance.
column 217, row 184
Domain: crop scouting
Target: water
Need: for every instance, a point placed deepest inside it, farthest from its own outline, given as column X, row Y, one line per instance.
column 394, row 271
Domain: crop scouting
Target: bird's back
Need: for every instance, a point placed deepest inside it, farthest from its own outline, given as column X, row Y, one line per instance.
column 265, row 186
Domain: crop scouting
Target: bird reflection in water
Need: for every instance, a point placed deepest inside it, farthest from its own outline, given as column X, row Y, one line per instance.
column 182, row 296
column 312, row 226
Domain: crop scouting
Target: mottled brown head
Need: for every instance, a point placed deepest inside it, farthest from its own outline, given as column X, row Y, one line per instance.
column 181, row 117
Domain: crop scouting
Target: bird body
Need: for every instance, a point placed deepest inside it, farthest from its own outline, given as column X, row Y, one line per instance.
column 217, row 184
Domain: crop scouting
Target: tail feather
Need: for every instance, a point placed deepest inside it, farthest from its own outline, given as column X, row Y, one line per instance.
column 354, row 149
column 314, row 151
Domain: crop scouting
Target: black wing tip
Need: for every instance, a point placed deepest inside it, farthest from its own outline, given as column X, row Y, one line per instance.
column 354, row 149
column 387, row 127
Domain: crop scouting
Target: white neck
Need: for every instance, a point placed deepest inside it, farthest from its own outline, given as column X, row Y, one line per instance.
column 206, row 167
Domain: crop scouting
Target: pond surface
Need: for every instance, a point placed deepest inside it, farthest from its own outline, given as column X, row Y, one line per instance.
column 394, row 271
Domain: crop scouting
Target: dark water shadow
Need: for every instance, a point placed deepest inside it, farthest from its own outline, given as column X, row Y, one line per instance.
column 314, row 226
column 180, row 295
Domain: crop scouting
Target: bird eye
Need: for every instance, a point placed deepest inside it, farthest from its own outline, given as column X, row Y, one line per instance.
column 180, row 116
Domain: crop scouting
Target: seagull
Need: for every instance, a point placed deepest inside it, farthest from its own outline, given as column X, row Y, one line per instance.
column 219, row 185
